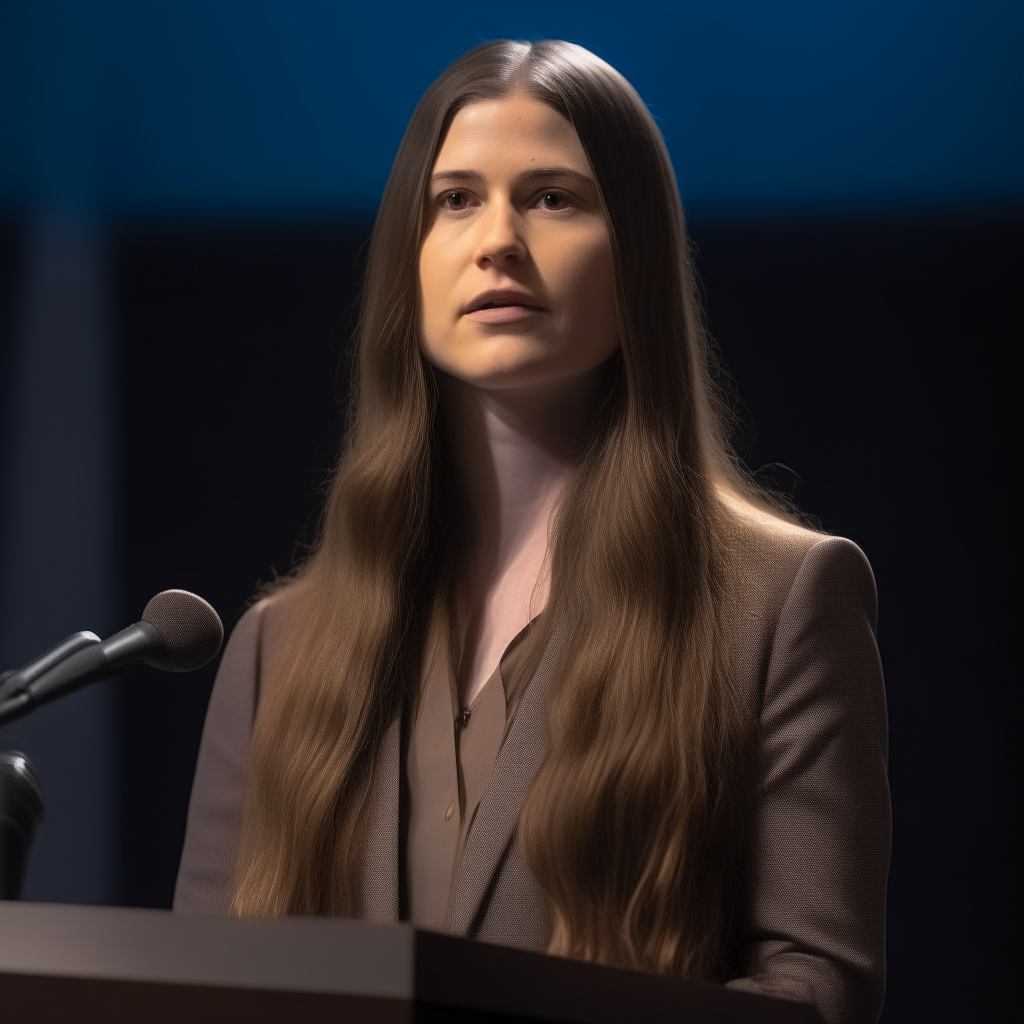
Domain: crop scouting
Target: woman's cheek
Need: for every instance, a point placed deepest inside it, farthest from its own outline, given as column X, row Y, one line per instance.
column 587, row 273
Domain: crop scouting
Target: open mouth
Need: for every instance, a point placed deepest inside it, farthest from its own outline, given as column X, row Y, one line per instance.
column 501, row 306
column 500, row 313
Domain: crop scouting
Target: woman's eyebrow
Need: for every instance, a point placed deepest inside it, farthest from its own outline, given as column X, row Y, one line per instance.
column 557, row 172
column 534, row 172
column 456, row 176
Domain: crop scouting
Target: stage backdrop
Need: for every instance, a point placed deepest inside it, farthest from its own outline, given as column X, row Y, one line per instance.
column 186, row 190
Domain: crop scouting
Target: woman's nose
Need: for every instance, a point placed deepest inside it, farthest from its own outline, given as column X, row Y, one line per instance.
column 500, row 240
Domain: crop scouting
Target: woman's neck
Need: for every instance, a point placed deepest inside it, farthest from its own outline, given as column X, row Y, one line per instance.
column 513, row 451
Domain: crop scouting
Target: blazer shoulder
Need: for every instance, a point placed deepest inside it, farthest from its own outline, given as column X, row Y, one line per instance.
column 280, row 615
column 776, row 574
column 257, row 636
column 238, row 671
column 767, row 555
column 836, row 569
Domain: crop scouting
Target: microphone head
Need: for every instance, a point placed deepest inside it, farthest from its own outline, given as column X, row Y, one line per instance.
column 189, row 627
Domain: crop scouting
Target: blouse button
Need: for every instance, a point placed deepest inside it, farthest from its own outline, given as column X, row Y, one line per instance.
column 450, row 811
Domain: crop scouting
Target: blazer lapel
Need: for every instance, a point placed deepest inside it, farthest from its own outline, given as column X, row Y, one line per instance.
column 493, row 828
column 379, row 888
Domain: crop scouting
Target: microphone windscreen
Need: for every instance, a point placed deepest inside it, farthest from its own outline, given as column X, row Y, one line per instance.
column 189, row 627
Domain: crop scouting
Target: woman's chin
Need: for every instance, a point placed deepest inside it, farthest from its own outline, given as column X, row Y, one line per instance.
column 513, row 378
column 517, row 363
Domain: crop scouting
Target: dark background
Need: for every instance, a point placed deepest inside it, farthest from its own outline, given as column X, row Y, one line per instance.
column 864, row 295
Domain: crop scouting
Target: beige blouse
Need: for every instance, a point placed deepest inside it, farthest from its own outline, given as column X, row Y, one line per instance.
column 449, row 759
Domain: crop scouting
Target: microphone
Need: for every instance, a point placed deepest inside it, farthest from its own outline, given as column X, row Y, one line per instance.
column 178, row 632
column 10, row 682
column 21, row 807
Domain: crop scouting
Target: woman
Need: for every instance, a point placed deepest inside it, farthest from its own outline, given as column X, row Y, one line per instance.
column 557, row 675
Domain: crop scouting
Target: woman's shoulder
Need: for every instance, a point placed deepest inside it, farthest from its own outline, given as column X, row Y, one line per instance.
column 773, row 564
column 262, row 633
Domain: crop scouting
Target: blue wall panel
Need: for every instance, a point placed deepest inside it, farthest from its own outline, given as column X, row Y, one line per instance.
column 249, row 105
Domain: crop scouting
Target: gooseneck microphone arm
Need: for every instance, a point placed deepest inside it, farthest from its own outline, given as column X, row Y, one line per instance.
column 11, row 682
column 179, row 632
column 84, row 666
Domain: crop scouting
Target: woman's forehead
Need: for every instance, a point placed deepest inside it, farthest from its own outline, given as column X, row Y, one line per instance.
column 520, row 129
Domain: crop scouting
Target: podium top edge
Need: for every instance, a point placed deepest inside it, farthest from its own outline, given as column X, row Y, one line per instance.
column 333, row 956
column 135, row 944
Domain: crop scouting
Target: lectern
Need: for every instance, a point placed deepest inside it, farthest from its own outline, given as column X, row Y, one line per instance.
column 111, row 964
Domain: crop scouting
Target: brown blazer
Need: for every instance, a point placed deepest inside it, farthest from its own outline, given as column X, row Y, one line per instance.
column 806, row 659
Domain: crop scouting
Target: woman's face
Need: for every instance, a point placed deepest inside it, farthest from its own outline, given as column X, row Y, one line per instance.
column 516, row 278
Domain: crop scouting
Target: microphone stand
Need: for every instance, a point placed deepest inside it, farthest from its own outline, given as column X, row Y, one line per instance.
column 21, row 808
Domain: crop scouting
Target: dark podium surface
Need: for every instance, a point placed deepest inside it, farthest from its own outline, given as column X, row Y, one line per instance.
column 62, row 962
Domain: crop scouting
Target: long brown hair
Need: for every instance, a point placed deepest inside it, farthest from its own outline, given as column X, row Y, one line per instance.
column 633, row 826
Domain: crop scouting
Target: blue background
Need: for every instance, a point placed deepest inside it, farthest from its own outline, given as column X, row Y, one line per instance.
column 243, row 105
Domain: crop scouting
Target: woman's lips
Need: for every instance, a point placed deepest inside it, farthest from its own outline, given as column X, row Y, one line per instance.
column 501, row 314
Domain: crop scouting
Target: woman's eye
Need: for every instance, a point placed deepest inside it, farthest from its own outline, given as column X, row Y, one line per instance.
column 455, row 200
column 554, row 201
